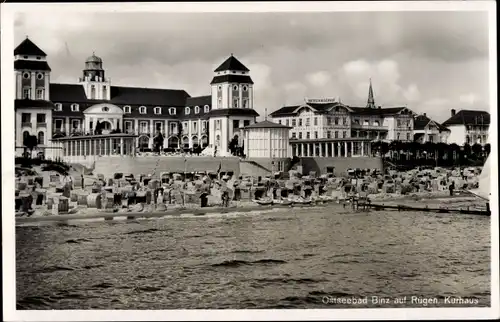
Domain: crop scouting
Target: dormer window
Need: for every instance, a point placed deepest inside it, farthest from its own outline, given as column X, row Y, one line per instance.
column 75, row 107
column 157, row 110
column 142, row 109
column 207, row 108
column 58, row 106
column 26, row 75
column 188, row 110
column 172, row 111
column 126, row 109
column 196, row 110
column 39, row 76
column 38, row 57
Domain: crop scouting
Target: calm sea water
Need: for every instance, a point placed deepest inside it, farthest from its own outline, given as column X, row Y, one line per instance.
column 280, row 259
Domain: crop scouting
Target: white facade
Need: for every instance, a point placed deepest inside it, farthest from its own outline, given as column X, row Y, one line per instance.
column 432, row 133
column 400, row 127
column 33, row 121
column 267, row 143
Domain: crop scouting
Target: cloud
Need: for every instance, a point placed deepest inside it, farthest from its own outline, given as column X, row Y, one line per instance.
column 412, row 57
column 319, row 79
column 468, row 98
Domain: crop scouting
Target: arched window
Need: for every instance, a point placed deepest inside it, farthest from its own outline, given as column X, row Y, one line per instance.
column 207, row 108
column 126, row 109
column 41, row 137
column 25, row 135
column 157, row 110
column 58, row 106
column 92, row 92
column 104, row 92
column 196, row 110
column 172, row 111
column 75, row 107
column 142, row 109
column 188, row 110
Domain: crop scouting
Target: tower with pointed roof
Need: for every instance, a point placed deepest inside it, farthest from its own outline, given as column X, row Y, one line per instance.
column 232, row 103
column 96, row 86
column 371, row 98
column 33, row 109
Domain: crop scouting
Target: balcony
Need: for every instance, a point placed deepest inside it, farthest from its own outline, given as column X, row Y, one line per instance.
column 25, row 124
column 369, row 127
column 41, row 124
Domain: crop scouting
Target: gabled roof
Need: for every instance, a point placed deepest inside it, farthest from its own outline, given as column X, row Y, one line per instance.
column 326, row 107
column 27, row 47
column 231, row 64
column 420, row 122
column 231, row 78
column 267, row 125
column 469, row 117
column 377, row 111
column 31, row 65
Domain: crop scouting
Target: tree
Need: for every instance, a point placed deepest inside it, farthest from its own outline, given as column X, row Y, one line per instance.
column 477, row 149
column 487, row 149
column 233, row 145
column 30, row 142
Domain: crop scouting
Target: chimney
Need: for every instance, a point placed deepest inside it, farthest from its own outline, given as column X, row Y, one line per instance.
column 425, row 114
column 453, row 112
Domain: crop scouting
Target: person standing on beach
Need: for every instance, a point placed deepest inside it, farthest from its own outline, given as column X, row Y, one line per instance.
column 452, row 187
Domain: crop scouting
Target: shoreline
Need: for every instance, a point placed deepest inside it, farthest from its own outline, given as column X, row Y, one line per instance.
column 249, row 207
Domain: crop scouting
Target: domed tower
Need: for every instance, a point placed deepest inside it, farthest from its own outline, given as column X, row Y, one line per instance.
column 95, row 84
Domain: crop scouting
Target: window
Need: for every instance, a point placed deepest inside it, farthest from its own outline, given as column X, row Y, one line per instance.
column 158, row 126
column 294, row 122
column 219, row 88
column 40, row 118
column 26, row 93
column 104, row 92
column 336, row 121
column 344, row 134
column 59, row 124
column 356, row 121
column 58, row 106
column 308, row 135
column 173, row 127
column 157, row 110
column 39, row 94
column 172, row 111
column 126, row 109
column 25, row 57
column 75, row 107
column 407, row 136
column 293, row 135
column 328, row 134
column 75, row 124
column 142, row 109
column 207, row 108
column 279, row 121
column 315, row 121
column 235, row 87
column 346, row 121
column 144, row 127
column 235, row 102
column 398, row 136
column 300, row 135
column 39, row 76
column 204, row 126
column 196, row 110
column 245, row 88
column 246, row 123
column 336, row 134
column 287, row 122
column 187, row 110
column 128, row 126
column 92, row 92
column 219, row 102
column 105, row 109
column 217, row 124
column 185, row 125
column 236, row 124
column 26, row 75
column 41, row 137
column 38, row 57
column 366, row 122
column 195, row 127
column 245, row 103
column 315, row 134
column 25, row 117
column 376, row 123
column 308, row 122
column 300, row 122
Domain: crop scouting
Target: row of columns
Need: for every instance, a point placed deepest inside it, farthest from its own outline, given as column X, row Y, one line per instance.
column 99, row 146
column 331, row 149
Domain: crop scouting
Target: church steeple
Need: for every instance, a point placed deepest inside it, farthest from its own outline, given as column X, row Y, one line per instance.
column 371, row 99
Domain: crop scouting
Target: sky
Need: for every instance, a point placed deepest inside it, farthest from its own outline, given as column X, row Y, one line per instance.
column 430, row 62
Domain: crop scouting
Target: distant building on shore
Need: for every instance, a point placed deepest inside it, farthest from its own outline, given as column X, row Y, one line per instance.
column 468, row 126
column 427, row 130
column 329, row 128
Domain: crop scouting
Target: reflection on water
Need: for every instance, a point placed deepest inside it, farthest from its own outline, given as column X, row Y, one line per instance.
column 280, row 259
